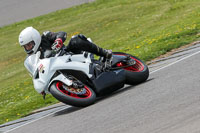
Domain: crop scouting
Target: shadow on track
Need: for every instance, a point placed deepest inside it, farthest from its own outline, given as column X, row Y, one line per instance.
column 115, row 93
column 69, row 110
column 72, row 109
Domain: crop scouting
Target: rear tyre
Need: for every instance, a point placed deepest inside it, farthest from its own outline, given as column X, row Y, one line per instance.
column 80, row 97
column 137, row 73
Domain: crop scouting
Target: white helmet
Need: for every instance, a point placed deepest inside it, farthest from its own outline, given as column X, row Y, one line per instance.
column 30, row 35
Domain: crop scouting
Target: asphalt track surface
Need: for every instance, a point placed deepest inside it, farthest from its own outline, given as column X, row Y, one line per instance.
column 12, row 11
column 167, row 103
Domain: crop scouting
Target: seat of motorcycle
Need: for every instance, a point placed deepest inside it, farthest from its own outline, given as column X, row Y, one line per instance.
column 117, row 58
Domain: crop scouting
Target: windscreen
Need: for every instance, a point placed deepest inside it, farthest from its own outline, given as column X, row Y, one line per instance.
column 31, row 63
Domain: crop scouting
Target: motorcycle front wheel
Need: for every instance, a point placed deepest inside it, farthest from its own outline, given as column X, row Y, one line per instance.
column 80, row 97
column 136, row 73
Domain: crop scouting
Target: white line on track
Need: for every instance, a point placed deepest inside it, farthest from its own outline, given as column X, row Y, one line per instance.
column 36, row 120
column 175, row 62
column 68, row 107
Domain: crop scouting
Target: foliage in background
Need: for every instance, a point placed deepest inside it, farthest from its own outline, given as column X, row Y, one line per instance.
column 145, row 28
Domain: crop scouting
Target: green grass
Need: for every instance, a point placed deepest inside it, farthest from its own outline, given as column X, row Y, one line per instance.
column 145, row 28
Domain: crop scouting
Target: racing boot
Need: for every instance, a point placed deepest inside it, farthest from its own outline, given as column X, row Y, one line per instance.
column 107, row 54
column 109, row 59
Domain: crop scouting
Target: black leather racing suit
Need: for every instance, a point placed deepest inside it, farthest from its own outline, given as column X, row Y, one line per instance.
column 77, row 43
column 48, row 38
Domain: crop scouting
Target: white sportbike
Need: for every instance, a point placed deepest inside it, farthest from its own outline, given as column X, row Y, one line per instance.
column 77, row 79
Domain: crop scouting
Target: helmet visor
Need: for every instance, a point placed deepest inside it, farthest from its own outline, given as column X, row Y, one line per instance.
column 29, row 46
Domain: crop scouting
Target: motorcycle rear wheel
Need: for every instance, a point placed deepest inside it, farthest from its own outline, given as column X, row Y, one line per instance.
column 136, row 73
column 67, row 96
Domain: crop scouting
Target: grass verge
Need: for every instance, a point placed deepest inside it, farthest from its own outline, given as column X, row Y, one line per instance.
column 145, row 28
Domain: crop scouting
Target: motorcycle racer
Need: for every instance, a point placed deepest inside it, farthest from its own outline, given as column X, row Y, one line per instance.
column 77, row 79
column 32, row 42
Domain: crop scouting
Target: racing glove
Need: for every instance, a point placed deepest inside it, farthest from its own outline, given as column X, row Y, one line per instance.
column 57, row 45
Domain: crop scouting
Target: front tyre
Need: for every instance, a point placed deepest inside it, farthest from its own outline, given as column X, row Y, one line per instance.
column 80, row 97
column 136, row 73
